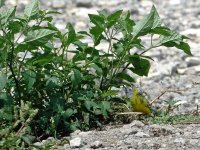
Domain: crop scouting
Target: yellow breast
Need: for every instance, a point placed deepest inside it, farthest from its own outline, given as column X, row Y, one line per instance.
column 139, row 103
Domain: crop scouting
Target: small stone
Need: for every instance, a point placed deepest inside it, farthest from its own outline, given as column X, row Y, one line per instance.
column 75, row 133
column 59, row 4
column 80, row 25
column 44, row 142
column 38, row 144
column 175, row 2
column 50, row 139
column 190, row 70
column 194, row 141
column 164, row 145
column 192, row 61
column 164, row 130
column 179, row 141
column 84, row 3
column 142, row 134
column 136, row 123
column 191, row 32
column 82, row 13
column 75, row 143
column 96, row 144
column 66, row 146
column 133, row 126
column 60, row 26
column 120, row 143
column 195, row 24
column 146, row 4
column 83, row 134
column 128, row 131
column 198, row 132
column 197, row 68
column 142, row 145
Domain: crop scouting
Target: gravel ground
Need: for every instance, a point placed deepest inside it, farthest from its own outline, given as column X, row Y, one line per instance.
column 171, row 69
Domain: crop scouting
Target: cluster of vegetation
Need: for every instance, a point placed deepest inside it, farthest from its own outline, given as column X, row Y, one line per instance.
column 44, row 93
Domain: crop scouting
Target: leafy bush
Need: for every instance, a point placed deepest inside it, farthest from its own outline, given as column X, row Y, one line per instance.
column 76, row 93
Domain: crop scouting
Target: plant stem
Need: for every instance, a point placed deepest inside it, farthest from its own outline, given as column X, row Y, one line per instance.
column 20, row 65
column 10, row 65
column 151, row 47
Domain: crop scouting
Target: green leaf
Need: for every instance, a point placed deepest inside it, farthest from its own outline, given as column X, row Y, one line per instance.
column 175, row 39
column 71, row 34
column 118, row 48
column 81, row 46
column 49, row 18
column 92, row 51
column 126, row 24
column 149, row 22
column 156, row 19
column 6, row 16
column 39, row 37
column 110, row 93
column 103, row 13
column 112, row 19
column 28, row 139
column 52, row 82
column 97, row 20
column 3, row 80
column 89, row 105
column 32, row 9
column 68, row 113
column 29, row 78
column 125, row 76
column 84, row 33
column 172, row 37
column 15, row 26
column 97, row 34
column 105, row 108
column 97, row 68
column 141, row 66
column 22, row 47
column 185, row 47
column 76, row 77
column 42, row 59
column 161, row 31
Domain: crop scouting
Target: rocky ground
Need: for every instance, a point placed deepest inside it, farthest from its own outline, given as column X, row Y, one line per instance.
column 171, row 69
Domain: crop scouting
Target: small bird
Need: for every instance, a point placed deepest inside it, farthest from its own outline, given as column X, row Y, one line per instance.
column 139, row 103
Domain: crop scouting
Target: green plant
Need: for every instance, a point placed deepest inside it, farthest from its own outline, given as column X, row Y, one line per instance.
column 76, row 93
column 174, row 119
column 18, row 133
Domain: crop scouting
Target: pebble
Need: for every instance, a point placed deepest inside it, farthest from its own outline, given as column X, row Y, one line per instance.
column 40, row 144
column 194, row 142
column 59, row 4
column 192, row 61
column 66, row 146
column 142, row 134
column 190, row 70
column 136, row 123
column 85, row 3
column 75, row 143
column 179, row 141
column 75, row 133
column 129, row 131
column 96, row 145
column 191, row 32
column 164, row 130
column 175, row 2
